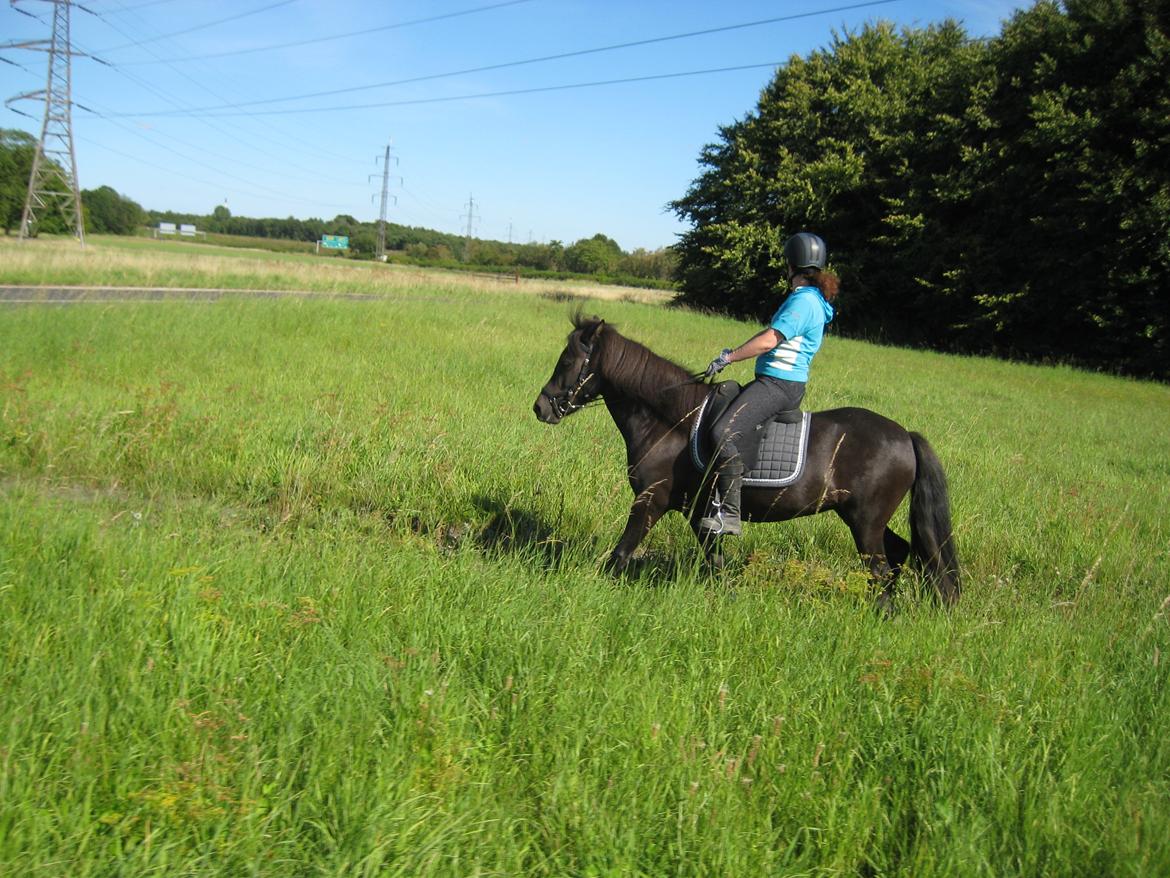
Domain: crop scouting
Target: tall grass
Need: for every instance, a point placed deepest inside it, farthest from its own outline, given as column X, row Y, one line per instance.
column 303, row 588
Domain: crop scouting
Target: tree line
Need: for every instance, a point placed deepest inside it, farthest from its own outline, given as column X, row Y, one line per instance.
column 105, row 211
column 600, row 255
column 1008, row 195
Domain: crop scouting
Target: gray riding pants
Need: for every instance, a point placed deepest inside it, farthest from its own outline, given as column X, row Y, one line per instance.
column 735, row 435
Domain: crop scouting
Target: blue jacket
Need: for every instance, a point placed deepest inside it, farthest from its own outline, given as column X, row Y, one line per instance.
column 801, row 319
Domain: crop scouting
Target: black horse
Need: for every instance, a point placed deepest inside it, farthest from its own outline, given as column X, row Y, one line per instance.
column 858, row 463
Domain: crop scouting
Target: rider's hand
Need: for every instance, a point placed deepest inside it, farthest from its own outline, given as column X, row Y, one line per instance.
column 719, row 363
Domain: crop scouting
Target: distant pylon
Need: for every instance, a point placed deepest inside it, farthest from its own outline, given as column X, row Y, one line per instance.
column 53, row 180
column 386, row 196
column 470, row 227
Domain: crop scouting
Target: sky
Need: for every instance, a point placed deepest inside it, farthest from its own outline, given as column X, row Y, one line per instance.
column 540, row 119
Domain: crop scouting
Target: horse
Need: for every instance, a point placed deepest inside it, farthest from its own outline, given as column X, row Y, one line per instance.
column 858, row 463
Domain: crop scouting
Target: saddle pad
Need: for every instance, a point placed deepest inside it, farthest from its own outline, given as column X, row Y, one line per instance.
column 779, row 459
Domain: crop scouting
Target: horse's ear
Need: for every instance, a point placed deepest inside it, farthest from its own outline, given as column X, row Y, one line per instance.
column 591, row 331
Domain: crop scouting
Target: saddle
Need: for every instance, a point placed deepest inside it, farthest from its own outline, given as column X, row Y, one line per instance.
column 781, row 451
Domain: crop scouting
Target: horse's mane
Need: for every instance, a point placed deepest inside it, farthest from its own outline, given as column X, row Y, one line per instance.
column 638, row 372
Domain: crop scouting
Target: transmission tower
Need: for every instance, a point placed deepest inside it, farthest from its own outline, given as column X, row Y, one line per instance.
column 53, row 181
column 470, row 226
column 386, row 196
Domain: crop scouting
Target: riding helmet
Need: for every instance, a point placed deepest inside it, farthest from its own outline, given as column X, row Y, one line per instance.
column 806, row 250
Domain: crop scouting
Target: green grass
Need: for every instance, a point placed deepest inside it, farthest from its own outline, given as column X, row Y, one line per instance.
column 303, row 588
column 109, row 260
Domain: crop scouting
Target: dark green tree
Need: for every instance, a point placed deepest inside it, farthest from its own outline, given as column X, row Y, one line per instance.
column 16, row 157
column 846, row 142
column 596, row 255
column 108, row 212
column 1068, row 175
column 1009, row 195
column 220, row 220
column 363, row 242
column 545, row 257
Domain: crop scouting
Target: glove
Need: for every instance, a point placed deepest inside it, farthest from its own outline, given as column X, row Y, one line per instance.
column 719, row 363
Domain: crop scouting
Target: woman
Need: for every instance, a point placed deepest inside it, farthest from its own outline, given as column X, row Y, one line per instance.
column 783, row 351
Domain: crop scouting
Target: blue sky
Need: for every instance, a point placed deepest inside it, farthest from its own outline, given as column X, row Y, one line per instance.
column 203, row 102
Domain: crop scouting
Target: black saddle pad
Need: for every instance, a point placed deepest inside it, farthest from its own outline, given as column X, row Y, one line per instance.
column 781, row 453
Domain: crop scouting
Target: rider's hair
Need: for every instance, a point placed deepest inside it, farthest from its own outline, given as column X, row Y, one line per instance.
column 825, row 281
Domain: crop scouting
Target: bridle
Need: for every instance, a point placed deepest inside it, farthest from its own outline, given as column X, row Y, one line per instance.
column 565, row 405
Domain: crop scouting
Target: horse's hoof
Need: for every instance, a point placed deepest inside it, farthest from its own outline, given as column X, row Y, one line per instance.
column 884, row 606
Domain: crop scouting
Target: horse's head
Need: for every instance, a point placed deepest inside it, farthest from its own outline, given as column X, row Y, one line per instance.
column 575, row 381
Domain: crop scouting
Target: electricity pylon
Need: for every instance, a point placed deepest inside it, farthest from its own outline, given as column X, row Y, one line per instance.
column 53, row 180
column 470, row 227
column 386, row 196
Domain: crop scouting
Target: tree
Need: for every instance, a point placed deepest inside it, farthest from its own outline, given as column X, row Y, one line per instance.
column 596, row 255
column 544, row 257
column 1069, row 182
column 363, row 242
column 16, row 157
column 1009, row 195
column 108, row 212
column 830, row 147
column 221, row 220
column 656, row 264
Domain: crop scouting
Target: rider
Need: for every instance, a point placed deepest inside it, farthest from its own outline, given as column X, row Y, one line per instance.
column 783, row 351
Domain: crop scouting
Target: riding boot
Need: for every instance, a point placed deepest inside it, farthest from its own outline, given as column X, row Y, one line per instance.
column 722, row 516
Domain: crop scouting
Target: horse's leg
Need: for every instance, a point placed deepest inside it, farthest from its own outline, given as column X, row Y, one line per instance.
column 897, row 551
column 647, row 509
column 712, row 548
column 869, row 535
column 712, row 544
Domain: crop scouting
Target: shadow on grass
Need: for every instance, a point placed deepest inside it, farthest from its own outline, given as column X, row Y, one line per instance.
column 519, row 532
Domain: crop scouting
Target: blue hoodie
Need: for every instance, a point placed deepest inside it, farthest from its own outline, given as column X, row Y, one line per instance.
column 801, row 320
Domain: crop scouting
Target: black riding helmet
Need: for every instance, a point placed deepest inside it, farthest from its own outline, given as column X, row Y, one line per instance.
column 805, row 250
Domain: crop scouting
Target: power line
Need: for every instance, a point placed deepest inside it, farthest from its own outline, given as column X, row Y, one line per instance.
column 189, row 158
column 199, row 26
column 230, row 134
column 486, row 94
column 444, row 215
column 138, row 6
column 574, row 54
column 357, row 33
column 218, row 170
column 173, row 172
column 21, row 66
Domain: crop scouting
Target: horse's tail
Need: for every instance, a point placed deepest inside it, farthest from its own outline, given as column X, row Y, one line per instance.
column 931, row 540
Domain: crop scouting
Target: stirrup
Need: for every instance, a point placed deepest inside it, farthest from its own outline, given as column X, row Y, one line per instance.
column 718, row 522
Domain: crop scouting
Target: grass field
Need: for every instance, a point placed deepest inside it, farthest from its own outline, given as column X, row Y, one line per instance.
column 301, row 587
column 145, row 262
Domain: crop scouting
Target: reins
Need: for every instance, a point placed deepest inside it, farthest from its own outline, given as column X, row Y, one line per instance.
column 565, row 405
column 570, row 404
